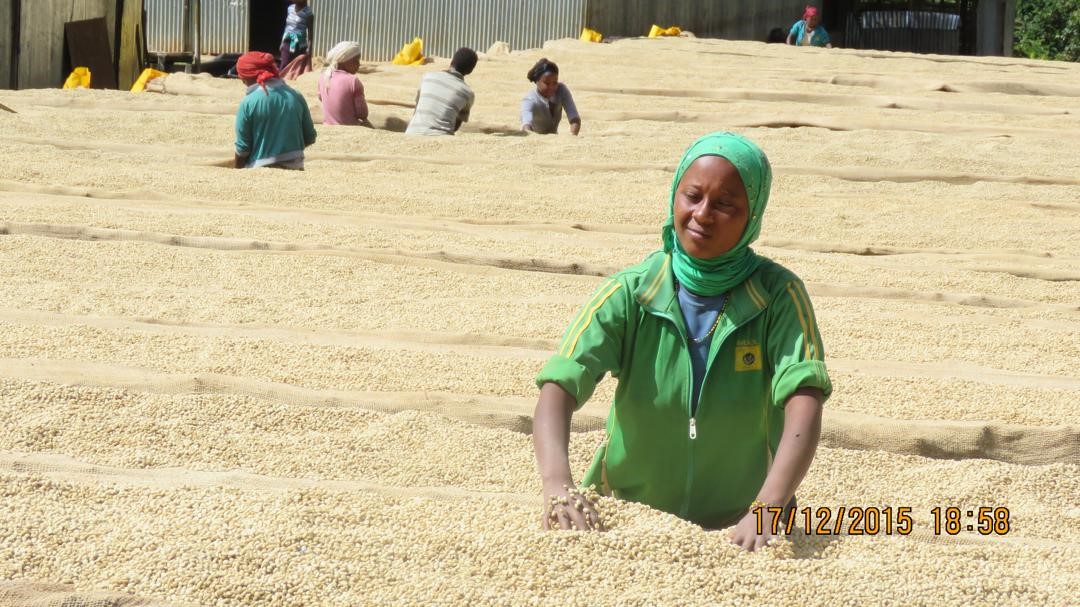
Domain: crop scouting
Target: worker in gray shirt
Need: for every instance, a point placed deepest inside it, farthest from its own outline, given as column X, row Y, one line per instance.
column 444, row 100
column 542, row 108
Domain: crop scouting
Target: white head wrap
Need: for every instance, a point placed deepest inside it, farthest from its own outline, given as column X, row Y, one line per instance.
column 342, row 52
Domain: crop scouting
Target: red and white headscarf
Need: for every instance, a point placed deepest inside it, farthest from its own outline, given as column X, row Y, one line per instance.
column 260, row 66
column 810, row 11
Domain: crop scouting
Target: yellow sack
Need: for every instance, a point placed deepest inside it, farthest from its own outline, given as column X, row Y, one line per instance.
column 79, row 78
column 588, row 35
column 147, row 75
column 656, row 31
column 410, row 54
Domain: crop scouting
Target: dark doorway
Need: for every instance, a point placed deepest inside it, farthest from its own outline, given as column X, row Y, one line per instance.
column 919, row 26
column 968, row 25
column 15, row 33
column 266, row 24
column 834, row 16
column 86, row 43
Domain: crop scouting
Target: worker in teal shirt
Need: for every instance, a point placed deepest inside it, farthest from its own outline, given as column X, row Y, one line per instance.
column 273, row 122
column 720, row 365
column 808, row 31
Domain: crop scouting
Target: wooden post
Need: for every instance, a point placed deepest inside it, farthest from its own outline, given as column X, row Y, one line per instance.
column 130, row 54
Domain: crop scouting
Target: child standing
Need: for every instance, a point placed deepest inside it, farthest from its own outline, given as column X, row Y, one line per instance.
column 297, row 37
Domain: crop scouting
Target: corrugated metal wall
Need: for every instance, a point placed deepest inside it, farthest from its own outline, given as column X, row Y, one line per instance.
column 224, row 26
column 41, row 57
column 165, row 26
column 705, row 18
column 383, row 26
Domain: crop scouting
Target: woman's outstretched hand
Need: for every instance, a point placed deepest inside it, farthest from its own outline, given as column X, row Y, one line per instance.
column 565, row 507
column 745, row 533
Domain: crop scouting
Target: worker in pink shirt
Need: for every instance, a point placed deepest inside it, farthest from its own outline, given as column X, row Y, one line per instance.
column 340, row 91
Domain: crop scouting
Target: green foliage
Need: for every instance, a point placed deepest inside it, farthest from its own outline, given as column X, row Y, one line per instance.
column 1047, row 29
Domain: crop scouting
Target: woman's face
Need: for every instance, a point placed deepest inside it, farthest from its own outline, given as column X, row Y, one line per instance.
column 812, row 21
column 352, row 65
column 711, row 209
column 548, row 84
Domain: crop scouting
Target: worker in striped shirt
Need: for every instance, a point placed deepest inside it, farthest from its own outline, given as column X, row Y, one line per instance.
column 444, row 99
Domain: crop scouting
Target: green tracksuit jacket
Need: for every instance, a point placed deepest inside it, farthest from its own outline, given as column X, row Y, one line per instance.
column 709, row 467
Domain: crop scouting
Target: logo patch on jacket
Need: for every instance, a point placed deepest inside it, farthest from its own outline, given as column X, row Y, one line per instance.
column 747, row 356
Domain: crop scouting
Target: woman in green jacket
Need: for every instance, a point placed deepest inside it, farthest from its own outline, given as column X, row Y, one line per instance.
column 720, row 367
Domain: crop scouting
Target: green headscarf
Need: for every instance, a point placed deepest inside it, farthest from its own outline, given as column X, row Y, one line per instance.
column 715, row 276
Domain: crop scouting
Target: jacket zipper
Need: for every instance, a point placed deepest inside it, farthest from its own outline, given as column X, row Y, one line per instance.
column 690, row 443
column 692, row 413
column 692, row 410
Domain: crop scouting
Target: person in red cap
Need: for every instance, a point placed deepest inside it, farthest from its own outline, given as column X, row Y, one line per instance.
column 273, row 122
column 808, row 30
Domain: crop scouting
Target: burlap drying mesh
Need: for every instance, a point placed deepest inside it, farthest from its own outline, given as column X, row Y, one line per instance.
column 496, row 412
column 941, row 439
column 78, row 232
column 937, row 439
column 948, row 439
column 29, row 594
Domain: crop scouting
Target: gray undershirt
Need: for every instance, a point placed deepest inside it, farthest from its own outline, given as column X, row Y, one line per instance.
column 699, row 313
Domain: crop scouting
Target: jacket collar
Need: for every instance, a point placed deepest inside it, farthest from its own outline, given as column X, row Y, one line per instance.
column 657, row 293
column 272, row 83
